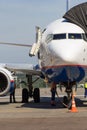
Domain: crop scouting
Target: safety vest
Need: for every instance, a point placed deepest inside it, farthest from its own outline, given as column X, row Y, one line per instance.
column 85, row 85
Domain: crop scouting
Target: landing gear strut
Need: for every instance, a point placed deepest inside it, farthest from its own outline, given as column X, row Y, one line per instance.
column 67, row 100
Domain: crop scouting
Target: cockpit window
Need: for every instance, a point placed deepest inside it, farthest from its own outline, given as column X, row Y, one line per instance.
column 74, row 36
column 59, row 36
column 44, row 30
column 84, row 36
column 49, row 38
column 62, row 36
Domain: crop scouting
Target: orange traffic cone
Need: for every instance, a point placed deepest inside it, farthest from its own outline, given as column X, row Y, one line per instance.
column 73, row 109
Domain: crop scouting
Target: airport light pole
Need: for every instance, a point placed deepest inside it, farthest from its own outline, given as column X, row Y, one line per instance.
column 67, row 5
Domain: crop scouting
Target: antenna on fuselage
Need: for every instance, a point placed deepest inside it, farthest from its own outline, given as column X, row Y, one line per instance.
column 67, row 5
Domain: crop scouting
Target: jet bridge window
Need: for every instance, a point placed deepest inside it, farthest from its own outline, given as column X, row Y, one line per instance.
column 75, row 36
column 59, row 36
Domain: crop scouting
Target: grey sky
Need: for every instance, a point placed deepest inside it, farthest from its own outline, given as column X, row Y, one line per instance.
column 18, row 19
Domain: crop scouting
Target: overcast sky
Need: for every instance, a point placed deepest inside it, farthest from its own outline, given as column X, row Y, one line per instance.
column 18, row 19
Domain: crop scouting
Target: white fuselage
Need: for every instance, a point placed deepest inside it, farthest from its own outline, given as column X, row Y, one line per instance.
column 63, row 44
column 63, row 51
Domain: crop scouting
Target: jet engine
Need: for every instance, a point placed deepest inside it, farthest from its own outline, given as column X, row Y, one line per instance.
column 6, row 82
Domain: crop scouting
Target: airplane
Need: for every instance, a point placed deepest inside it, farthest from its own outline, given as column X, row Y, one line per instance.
column 61, row 49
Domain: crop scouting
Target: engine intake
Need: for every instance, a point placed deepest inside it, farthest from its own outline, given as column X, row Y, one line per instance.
column 6, row 82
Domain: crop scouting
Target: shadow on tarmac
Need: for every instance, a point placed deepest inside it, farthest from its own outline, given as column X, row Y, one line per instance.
column 45, row 103
column 4, row 103
column 81, row 102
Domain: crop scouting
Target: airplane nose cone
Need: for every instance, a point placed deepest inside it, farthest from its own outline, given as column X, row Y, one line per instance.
column 67, row 52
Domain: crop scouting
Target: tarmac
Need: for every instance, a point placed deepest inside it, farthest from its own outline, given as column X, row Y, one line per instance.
column 42, row 116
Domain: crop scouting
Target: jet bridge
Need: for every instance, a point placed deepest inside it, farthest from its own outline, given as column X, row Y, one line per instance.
column 78, row 16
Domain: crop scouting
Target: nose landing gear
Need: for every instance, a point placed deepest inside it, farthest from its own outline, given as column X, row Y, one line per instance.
column 70, row 90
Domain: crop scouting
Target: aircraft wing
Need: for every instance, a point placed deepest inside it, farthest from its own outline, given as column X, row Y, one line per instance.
column 16, row 44
column 23, row 68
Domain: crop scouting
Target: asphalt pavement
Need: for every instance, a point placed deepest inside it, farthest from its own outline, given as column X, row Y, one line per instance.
column 42, row 116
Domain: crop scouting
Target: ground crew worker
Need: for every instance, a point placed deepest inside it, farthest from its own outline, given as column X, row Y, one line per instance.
column 12, row 95
column 85, row 86
column 53, row 92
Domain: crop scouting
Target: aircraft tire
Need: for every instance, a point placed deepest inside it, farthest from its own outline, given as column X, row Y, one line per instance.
column 36, row 95
column 70, row 104
column 25, row 95
column 65, row 100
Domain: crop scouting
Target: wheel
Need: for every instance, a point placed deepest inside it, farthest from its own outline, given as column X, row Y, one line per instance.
column 36, row 95
column 70, row 104
column 25, row 95
column 65, row 101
